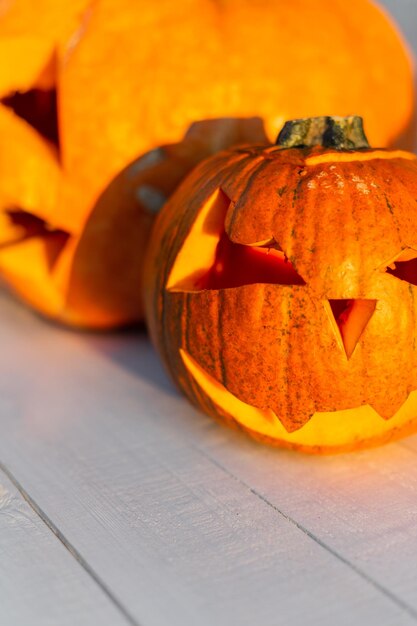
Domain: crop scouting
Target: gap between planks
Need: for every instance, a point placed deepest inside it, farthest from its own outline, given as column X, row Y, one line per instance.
column 383, row 590
column 129, row 618
column 71, row 549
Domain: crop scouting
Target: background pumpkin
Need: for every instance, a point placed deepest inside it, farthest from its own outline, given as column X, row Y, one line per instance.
column 29, row 35
column 281, row 288
column 135, row 76
column 115, row 237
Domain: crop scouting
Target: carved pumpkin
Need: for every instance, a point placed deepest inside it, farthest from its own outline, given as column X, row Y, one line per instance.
column 114, row 239
column 128, row 80
column 281, row 288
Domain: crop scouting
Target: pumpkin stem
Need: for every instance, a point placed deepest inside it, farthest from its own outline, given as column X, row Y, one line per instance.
column 341, row 133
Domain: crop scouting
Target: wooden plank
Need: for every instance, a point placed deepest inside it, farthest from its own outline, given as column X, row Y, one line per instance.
column 41, row 583
column 362, row 506
column 140, row 487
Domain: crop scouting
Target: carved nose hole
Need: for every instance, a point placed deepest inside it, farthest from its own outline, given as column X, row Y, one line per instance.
column 351, row 318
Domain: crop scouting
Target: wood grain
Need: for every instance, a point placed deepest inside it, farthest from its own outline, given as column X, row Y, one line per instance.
column 41, row 584
column 120, row 504
column 187, row 522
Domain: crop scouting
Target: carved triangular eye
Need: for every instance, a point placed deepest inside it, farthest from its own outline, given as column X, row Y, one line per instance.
column 208, row 259
column 404, row 266
column 38, row 106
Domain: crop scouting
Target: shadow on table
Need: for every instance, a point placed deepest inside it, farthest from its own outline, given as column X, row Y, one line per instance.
column 132, row 350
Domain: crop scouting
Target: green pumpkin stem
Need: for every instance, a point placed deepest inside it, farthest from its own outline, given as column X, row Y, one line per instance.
column 339, row 133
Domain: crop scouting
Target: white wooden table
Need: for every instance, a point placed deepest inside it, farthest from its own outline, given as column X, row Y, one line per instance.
column 120, row 504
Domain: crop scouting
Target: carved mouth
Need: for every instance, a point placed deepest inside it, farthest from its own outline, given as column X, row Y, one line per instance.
column 20, row 226
column 332, row 430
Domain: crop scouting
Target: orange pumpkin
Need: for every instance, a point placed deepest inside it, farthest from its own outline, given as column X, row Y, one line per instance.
column 134, row 76
column 114, row 239
column 281, row 288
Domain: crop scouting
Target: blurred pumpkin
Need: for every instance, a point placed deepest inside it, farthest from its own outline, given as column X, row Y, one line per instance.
column 134, row 76
column 281, row 288
column 29, row 35
column 106, row 265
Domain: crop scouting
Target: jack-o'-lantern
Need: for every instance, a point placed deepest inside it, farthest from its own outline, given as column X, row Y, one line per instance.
column 281, row 288
column 127, row 77
column 115, row 237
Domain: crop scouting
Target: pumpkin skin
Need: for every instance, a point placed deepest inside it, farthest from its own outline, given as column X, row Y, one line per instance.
column 91, row 278
column 203, row 59
column 139, row 97
column 125, row 212
column 281, row 293
column 29, row 36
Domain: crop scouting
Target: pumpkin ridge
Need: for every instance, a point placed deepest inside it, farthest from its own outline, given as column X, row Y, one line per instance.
column 406, row 191
column 231, row 214
column 97, row 46
column 273, row 346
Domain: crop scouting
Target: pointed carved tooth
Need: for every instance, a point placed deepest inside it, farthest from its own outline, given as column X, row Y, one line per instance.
column 387, row 407
column 292, row 417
